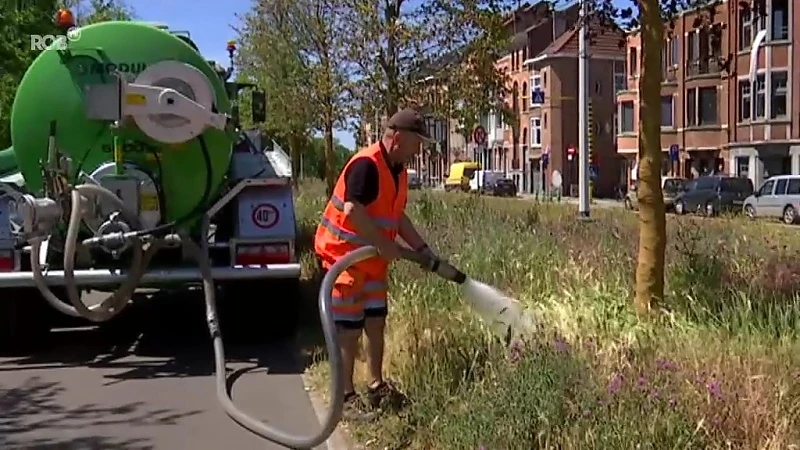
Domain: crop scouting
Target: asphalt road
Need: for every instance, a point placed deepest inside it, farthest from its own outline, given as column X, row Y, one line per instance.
column 145, row 381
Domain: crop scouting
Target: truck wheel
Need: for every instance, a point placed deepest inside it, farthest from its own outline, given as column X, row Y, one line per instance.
column 253, row 311
column 25, row 321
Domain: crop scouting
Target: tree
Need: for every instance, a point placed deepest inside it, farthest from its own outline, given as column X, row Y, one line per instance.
column 305, row 34
column 269, row 56
column 314, row 160
column 396, row 45
column 654, row 20
column 27, row 18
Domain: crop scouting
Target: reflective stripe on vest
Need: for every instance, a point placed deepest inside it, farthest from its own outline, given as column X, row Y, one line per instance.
column 336, row 235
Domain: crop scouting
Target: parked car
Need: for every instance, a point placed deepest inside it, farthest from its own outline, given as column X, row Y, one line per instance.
column 483, row 181
column 414, row 182
column 460, row 175
column 505, row 187
column 670, row 186
column 711, row 195
column 777, row 197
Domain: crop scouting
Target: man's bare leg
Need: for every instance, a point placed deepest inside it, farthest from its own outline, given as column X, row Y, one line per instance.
column 348, row 345
column 374, row 328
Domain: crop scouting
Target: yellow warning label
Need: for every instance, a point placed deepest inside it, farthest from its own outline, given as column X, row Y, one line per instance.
column 136, row 99
column 149, row 202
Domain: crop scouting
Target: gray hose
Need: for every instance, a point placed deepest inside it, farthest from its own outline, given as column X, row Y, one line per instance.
column 253, row 425
column 114, row 303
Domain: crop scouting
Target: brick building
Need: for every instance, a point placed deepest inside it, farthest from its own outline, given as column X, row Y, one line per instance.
column 712, row 113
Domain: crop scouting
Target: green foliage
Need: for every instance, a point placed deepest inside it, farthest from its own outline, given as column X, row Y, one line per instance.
column 313, row 163
column 37, row 18
column 716, row 370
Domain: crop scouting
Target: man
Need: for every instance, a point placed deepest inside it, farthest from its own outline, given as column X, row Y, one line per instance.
column 367, row 208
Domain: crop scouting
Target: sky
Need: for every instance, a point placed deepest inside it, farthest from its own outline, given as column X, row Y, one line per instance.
column 209, row 27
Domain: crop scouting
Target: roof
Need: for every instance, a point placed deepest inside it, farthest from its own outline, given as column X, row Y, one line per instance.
column 606, row 44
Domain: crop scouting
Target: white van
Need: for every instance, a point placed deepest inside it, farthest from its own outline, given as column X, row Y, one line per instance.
column 484, row 180
column 778, row 197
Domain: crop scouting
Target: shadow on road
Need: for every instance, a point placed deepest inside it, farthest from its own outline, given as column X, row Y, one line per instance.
column 165, row 335
column 34, row 406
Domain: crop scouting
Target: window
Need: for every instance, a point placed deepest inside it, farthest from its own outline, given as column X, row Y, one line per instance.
column 780, row 186
column 615, row 124
column 706, row 183
column 536, row 132
column 745, row 100
column 766, row 188
column 778, row 101
column 524, row 100
column 794, row 187
column 620, row 79
column 701, row 106
column 749, row 27
column 691, row 46
column 633, row 62
column 667, row 111
column 780, row 20
column 673, row 52
column 536, row 85
column 745, row 30
column 626, row 124
column 761, row 98
column 707, row 107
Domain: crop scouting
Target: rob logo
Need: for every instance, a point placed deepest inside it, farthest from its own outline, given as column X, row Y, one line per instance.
column 58, row 42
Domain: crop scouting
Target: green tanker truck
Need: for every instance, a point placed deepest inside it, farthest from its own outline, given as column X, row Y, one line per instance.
column 128, row 170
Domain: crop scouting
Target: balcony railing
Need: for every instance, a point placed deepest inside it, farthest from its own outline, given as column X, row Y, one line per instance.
column 703, row 66
column 669, row 74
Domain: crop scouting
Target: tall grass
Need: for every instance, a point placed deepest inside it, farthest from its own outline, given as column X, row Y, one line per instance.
column 720, row 368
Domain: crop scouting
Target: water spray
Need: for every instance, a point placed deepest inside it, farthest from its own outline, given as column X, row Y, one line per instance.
column 504, row 316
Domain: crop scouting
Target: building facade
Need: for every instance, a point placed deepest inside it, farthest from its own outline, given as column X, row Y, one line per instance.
column 726, row 96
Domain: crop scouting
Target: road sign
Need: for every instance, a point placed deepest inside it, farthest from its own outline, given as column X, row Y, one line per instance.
column 479, row 135
column 266, row 216
column 593, row 172
column 537, row 97
column 674, row 152
column 570, row 153
column 545, row 159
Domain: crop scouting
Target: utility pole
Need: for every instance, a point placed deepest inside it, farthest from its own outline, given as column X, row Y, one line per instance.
column 583, row 113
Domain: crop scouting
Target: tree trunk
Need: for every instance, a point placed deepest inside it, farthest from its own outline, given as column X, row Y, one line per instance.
column 295, row 151
column 652, row 220
column 330, row 162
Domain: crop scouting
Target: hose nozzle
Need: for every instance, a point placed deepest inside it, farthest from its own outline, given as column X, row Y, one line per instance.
column 436, row 265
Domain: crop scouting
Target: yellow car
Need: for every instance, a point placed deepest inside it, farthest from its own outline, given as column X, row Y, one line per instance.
column 459, row 176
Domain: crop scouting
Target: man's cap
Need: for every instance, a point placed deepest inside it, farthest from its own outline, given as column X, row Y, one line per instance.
column 409, row 120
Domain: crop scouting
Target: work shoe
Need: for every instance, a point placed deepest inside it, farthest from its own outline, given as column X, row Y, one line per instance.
column 386, row 397
column 355, row 410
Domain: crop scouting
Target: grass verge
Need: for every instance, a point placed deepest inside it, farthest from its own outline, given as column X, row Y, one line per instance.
column 720, row 369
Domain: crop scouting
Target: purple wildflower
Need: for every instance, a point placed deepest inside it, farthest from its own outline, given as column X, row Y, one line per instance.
column 715, row 389
column 615, row 384
column 666, row 365
column 561, row 345
column 641, row 383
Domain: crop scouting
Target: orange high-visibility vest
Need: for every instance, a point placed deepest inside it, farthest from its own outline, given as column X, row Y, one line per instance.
column 336, row 235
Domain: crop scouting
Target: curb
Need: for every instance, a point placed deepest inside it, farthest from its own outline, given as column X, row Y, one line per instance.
column 337, row 440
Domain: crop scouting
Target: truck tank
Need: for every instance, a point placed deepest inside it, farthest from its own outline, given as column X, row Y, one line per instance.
column 54, row 91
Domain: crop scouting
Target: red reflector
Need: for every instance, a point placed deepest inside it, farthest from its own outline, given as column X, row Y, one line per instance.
column 260, row 254
column 6, row 261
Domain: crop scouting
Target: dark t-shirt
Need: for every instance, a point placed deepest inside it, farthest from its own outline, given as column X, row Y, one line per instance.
column 361, row 180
